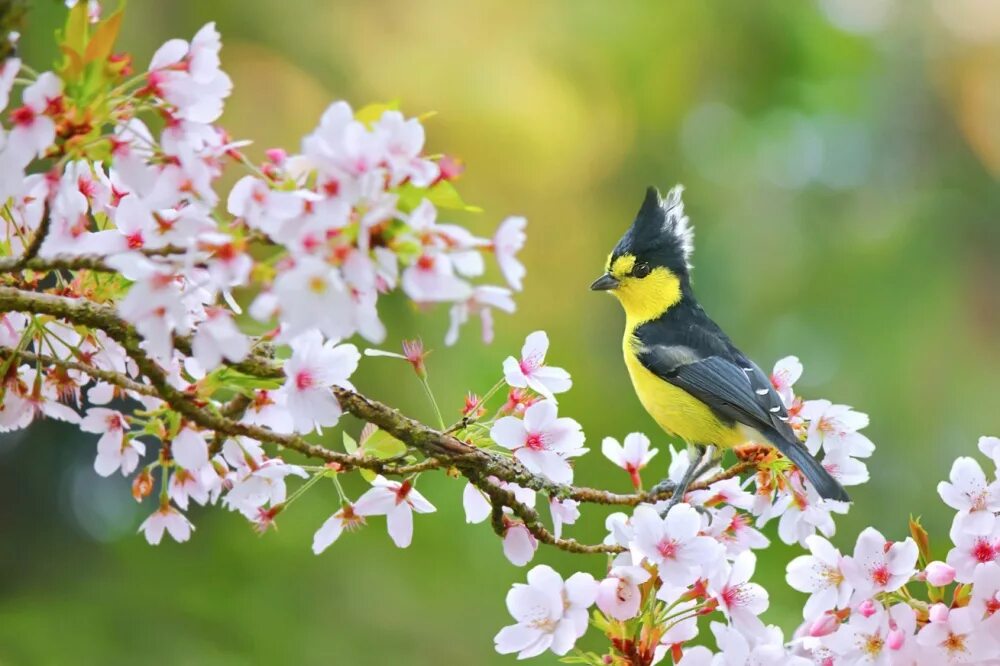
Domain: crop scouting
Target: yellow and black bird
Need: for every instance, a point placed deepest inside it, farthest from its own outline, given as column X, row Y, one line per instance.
column 689, row 376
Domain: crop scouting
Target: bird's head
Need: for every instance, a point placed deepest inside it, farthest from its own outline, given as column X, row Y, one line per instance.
column 650, row 265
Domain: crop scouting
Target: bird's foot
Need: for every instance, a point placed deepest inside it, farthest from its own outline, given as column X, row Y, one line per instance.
column 664, row 486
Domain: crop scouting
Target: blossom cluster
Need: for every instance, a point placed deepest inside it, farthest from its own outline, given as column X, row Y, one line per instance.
column 110, row 179
column 679, row 562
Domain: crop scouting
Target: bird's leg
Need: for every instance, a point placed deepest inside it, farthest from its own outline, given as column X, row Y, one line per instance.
column 681, row 488
column 712, row 461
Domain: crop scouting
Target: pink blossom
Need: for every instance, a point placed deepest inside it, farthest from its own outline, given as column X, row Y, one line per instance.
column 310, row 373
column 33, row 131
column 541, row 441
column 821, row 576
column 531, row 372
column 739, row 599
column 396, row 501
column 519, row 544
column 618, row 595
column 507, row 242
column 673, row 543
column 190, row 450
column 786, row 372
column 482, row 302
column 551, row 614
column 346, row 518
column 564, row 512
column 958, row 638
column 114, row 450
column 969, row 493
column 166, row 518
column 632, row 455
column 939, row 574
column 218, row 338
column 973, row 551
column 877, row 566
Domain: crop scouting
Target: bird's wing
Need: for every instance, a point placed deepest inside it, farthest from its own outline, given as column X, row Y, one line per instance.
column 735, row 388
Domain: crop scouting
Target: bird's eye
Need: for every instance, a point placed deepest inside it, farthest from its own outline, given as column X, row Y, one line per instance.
column 641, row 270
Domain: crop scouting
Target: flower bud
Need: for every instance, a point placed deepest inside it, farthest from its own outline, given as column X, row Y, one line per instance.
column 824, row 625
column 867, row 607
column 142, row 485
column 895, row 639
column 939, row 574
column 276, row 155
column 938, row 613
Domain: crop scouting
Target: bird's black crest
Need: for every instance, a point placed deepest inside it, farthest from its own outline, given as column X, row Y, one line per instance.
column 661, row 233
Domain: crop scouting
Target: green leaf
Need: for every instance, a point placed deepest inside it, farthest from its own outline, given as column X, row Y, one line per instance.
column 101, row 44
column 383, row 445
column 371, row 113
column 444, row 195
column 228, row 378
column 74, row 35
column 351, row 447
column 349, row 444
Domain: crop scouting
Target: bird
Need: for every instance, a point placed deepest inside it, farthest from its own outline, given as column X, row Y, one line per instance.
column 689, row 376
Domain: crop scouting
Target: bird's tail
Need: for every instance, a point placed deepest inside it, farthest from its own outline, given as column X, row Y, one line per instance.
column 827, row 486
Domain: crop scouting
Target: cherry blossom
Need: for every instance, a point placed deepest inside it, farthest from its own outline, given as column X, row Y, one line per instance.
column 33, row 131
column 507, row 242
column 169, row 519
column 673, row 543
column 188, row 76
column 833, row 427
column 618, row 595
column 631, row 455
column 990, row 446
column 973, row 551
column 957, row 638
column 543, row 442
column 114, row 450
column 190, row 450
column 396, row 501
column 218, row 338
column 346, row 518
column 877, row 566
column 564, row 512
column 519, row 544
column 260, row 485
column 863, row 639
column 968, row 492
column 786, row 372
column 551, row 614
column 939, row 573
column 477, row 506
column 985, row 598
column 315, row 367
column 482, row 302
column 531, row 372
column 739, row 599
column 821, row 576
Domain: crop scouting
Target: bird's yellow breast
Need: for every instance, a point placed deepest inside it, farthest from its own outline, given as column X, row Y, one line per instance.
column 674, row 409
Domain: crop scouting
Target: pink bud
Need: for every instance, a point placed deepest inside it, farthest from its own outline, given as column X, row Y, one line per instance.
column 824, row 625
column 938, row 613
column 895, row 639
column 867, row 608
column 618, row 598
column 276, row 155
column 939, row 574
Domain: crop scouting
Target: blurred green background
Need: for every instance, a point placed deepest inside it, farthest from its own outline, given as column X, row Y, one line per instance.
column 841, row 161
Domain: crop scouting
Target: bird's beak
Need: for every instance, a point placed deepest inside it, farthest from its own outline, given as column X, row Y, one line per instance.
column 605, row 283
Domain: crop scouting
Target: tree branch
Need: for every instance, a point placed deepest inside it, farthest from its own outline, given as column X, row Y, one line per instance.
column 442, row 450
